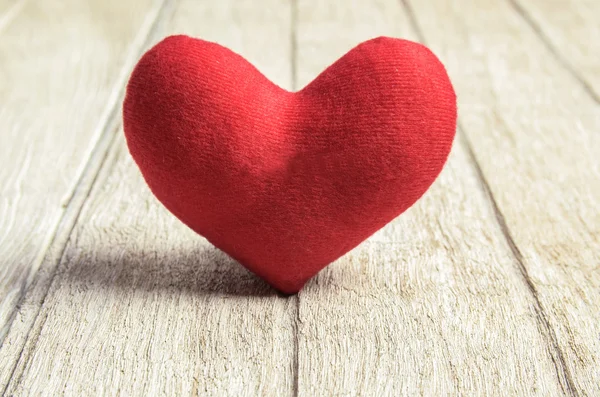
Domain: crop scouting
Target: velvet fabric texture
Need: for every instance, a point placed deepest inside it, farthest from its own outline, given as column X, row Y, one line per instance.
column 286, row 182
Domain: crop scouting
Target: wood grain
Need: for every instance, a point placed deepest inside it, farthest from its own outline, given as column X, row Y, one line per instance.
column 433, row 304
column 62, row 68
column 140, row 305
column 571, row 31
column 534, row 131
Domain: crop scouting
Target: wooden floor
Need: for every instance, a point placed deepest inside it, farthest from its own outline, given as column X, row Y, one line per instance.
column 489, row 285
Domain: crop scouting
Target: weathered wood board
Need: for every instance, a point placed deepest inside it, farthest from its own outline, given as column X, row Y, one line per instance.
column 572, row 33
column 62, row 67
column 534, row 130
column 433, row 304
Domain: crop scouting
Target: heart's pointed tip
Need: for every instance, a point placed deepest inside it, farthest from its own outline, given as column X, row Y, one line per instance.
column 288, row 287
column 287, row 294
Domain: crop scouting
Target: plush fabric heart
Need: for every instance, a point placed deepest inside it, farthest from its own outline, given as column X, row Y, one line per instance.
column 286, row 182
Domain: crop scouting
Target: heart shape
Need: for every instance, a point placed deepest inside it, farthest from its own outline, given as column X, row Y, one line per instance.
column 286, row 182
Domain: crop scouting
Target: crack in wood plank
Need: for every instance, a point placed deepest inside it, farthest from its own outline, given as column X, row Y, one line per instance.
column 294, row 87
column 296, row 356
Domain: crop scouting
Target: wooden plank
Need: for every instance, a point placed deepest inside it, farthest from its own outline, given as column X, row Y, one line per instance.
column 433, row 304
column 571, row 31
column 62, row 66
column 141, row 305
column 534, row 130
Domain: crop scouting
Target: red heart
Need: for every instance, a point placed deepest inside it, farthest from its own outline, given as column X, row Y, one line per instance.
column 288, row 182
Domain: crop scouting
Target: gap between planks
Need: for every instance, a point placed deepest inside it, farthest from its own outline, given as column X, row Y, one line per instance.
column 562, row 371
column 52, row 252
column 294, row 78
column 294, row 42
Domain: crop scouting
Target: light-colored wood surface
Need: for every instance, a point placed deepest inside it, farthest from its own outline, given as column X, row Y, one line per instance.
column 489, row 285
column 61, row 70
column 534, row 129
column 571, row 32
column 9, row 9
